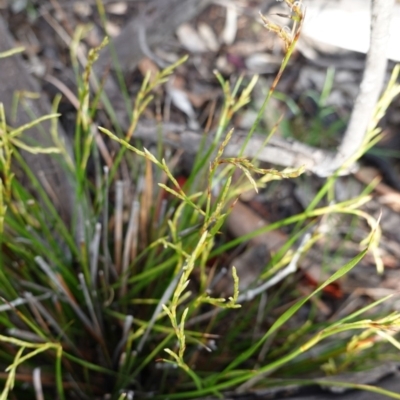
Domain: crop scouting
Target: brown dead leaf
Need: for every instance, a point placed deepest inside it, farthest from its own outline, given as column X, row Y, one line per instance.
column 199, row 98
column 314, row 276
column 243, row 220
column 146, row 65
column 392, row 200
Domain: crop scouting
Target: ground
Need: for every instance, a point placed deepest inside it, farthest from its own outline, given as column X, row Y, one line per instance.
column 315, row 97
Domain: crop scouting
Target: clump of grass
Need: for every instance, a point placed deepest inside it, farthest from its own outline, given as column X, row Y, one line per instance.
column 118, row 303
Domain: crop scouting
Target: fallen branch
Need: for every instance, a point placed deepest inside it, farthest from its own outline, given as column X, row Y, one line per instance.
column 284, row 152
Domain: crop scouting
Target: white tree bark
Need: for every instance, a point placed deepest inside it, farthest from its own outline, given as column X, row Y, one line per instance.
column 370, row 89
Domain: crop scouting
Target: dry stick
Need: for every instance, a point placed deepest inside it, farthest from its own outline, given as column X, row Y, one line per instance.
column 118, row 225
column 370, row 89
column 37, row 384
column 130, row 244
column 94, row 256
column 106, row 251
column 34, row 303
column 291, row 268
column 66, row 296
column 125, row 334
column 279, row 151
column 25, row 335
column 164, row 300
column 89, row 305
column 20, row 301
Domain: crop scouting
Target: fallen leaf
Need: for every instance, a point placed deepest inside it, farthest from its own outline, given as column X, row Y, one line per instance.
column 112, row 29
column 190, row 39
column 82, row 9
column 243, row 220
column 209, row 37
column 146, row 65
column 230, row 28
column 118, row 8
column 180, row 100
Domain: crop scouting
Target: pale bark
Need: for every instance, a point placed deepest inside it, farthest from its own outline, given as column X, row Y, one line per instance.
column 370, row 89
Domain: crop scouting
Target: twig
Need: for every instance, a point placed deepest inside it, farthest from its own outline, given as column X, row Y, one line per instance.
column 37, row 384
column 164, row 299
column 291, row 268
column 251, row 293
column 285, row 152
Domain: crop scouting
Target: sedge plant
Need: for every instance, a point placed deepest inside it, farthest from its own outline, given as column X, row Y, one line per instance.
column 115, row 304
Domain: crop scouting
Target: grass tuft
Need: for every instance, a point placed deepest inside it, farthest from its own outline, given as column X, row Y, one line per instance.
column 119, row 300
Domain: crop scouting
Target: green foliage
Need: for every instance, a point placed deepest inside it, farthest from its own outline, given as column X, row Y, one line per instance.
column 122, row 305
